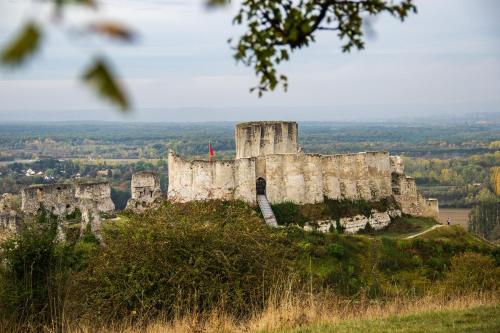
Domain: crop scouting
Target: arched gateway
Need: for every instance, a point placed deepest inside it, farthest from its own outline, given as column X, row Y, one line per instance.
column 260, row 186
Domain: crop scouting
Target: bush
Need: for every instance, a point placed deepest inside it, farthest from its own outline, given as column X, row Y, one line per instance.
column 180, row 259
column 288, row 213
column 33, row 280
column 471, row 273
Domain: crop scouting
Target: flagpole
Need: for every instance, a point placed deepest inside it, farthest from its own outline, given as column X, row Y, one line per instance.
column 209, row 151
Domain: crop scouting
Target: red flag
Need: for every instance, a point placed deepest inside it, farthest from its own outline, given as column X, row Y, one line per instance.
column 211, row 152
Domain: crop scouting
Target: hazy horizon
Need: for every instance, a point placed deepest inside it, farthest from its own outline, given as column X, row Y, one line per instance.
column 445, row 61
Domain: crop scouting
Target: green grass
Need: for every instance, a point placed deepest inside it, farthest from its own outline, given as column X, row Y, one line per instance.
column 406, row 226
column 480, row 319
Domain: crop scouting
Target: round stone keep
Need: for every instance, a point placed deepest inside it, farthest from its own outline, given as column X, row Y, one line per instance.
column 261, row 138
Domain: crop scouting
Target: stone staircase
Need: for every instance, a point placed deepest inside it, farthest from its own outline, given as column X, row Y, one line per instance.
column 266, row 210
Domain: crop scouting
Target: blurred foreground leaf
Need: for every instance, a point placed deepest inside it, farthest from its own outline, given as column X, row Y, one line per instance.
column 23, row 45
column 114, row 30
column 100, row 77
column 217, row 3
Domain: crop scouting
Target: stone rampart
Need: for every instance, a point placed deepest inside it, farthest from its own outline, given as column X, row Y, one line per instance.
column 203, row 180
column 298, row 178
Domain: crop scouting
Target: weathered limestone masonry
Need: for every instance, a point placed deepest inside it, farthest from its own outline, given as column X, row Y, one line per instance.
column 266, row 138
column 405, row 192
column 269, row 160
column 9, row 217
column 145, row 189
column 91, row 199
column 201, row 180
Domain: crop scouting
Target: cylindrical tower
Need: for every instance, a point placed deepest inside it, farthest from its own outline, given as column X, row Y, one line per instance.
column 262, row 138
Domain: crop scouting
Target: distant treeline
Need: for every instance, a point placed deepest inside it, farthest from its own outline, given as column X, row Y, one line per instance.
column 145, row 140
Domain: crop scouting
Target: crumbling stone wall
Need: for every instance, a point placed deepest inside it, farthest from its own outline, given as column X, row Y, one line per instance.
column 410, row 200
column 96, row 196
column 56, row 198
column 9, row 216
column 92, row 199
column 266, row 138
column 145, row 189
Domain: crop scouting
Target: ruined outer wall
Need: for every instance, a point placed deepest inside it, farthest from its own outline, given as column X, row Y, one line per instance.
column 94, row 195
column 143, row 184
column 202, row 180
column 62, row 199
column 9, row 217
column 364, row 176
column 57, row 198
column 255, row 139
column 405, row 193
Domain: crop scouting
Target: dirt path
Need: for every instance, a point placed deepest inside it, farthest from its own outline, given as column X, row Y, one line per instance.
column 425, row 231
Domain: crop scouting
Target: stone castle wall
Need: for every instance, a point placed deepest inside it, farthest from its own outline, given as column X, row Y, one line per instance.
column 298, row 178
column 201, row 180
column 255, row 139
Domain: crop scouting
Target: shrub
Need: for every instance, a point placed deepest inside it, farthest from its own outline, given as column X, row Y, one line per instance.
column 394, row 257
column 183, row 258
column 336, row 250
column 470, row 273
column 289, row 213
column 35, row 274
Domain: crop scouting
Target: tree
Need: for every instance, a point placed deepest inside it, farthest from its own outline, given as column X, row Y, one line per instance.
column 273, row 30
column 484, row 219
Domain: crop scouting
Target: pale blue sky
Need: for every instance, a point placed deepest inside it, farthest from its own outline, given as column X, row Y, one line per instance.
column 444, row 60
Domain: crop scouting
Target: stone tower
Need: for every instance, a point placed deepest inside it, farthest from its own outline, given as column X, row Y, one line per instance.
column 261, row 138
column 145, row 189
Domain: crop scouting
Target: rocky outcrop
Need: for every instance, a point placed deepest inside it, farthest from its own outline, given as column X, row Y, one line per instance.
column 351, row 225
column 146, row 191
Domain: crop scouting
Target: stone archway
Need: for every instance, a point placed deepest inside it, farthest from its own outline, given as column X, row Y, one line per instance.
column 260, row 186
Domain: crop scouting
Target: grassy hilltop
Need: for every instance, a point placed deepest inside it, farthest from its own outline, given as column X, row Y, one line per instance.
column 186, row 264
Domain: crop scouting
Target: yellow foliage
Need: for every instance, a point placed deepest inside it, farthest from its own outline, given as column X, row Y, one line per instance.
column 495, row 172
column 495, row 144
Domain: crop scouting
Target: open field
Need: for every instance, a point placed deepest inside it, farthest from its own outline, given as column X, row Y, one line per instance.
column 479, row 319
column 458, row 216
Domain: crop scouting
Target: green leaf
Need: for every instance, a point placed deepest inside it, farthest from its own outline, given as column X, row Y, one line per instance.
column 25, row 44
column 101, row 78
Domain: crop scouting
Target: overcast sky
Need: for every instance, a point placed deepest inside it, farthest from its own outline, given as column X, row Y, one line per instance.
column 444, row 60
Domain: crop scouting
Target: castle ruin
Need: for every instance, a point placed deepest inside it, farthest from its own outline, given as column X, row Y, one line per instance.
column 91, row 199
column 269, row 163
column 145, row 190
column 9, row 217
